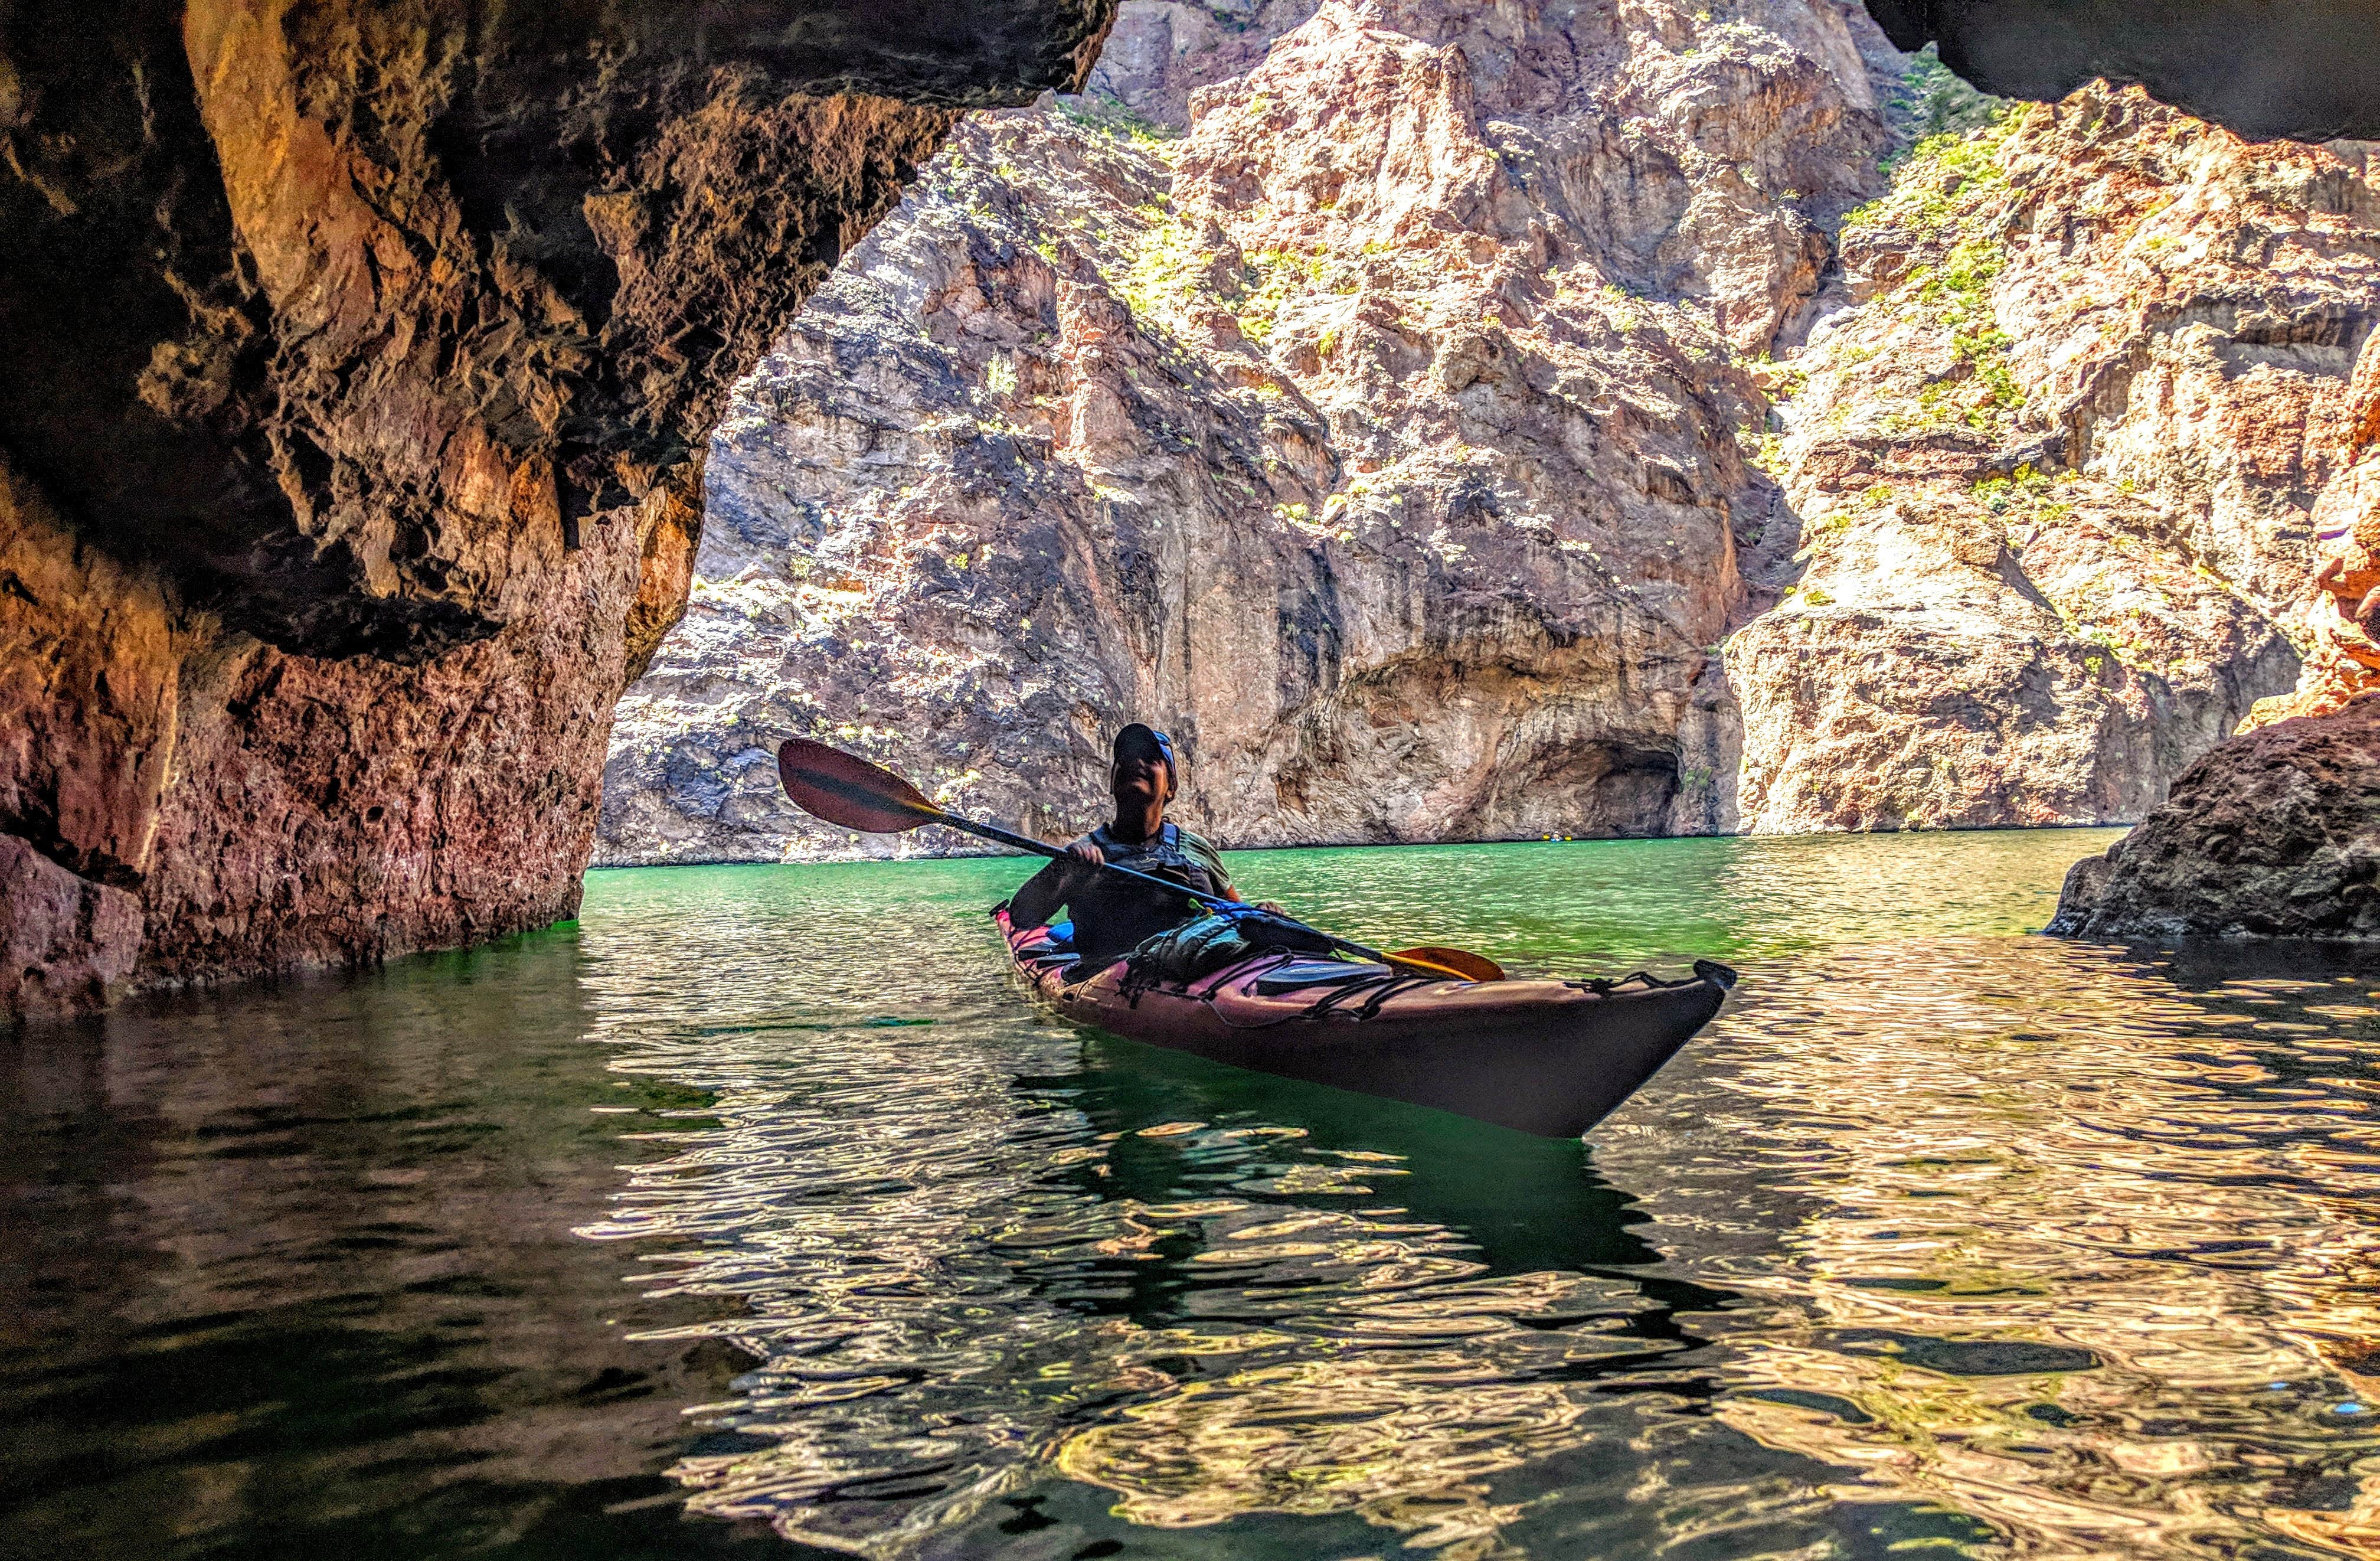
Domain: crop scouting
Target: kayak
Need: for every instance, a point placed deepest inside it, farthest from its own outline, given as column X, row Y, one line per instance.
column 1550, row 1057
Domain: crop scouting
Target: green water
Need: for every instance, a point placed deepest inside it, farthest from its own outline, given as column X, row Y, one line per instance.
column 756, row 1215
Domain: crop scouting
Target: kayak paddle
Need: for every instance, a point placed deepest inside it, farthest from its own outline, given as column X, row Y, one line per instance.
column 848, row 791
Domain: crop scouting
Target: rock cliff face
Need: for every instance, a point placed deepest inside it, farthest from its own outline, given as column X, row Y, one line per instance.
column 2276, row 833
column 2341, row 601
column 1380, row 436
column 1475, row 426
column 2056, row 464
column 356, row 366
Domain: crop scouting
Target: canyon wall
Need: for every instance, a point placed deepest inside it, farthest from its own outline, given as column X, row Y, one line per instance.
column 2055, row 465
column 2276, row 833
column 1458, row 425
column 356, row 364
column 1378, row 434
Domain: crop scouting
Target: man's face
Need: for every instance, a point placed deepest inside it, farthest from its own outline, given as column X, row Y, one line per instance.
column 1140, row 778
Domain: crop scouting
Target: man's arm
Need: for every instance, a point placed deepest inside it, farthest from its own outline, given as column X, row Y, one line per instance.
column 1038, row 903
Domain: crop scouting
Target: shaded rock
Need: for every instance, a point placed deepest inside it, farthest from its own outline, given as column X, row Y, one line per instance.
column 356, row 368
column 89, row 694
column 2304, row 69
column 375, row 309
column 2276, row 834
column 66, row 943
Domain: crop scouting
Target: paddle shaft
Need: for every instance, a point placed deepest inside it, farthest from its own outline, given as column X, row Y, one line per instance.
column 1213, row 902
column 846, row 790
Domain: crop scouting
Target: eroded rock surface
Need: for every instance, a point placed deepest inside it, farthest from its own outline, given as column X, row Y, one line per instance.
column 1477, row 427
column 2276, row 831
column 2340, row 604
column 1379, row 435
column 2056, row 461
column 355, row 369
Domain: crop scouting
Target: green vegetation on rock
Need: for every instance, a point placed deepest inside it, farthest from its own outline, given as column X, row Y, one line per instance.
column 1935, row 101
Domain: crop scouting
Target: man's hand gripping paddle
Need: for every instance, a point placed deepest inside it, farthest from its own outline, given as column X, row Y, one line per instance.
column 854, row 794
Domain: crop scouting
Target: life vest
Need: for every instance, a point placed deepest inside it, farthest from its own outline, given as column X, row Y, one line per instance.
column 1114, row 915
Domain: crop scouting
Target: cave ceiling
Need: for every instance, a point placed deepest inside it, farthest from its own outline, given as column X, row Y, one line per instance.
column 2306, row 69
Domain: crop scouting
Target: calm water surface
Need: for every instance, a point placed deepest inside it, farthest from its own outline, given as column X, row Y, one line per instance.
column 757, row 1213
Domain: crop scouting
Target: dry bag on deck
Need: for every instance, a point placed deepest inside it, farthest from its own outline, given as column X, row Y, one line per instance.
column 1200, row 948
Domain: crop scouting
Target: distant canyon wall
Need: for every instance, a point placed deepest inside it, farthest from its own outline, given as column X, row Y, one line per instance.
column 1458, row 425
column 357, row 368
column 2276, row 833
column 2055, row 468
column 1378, row 435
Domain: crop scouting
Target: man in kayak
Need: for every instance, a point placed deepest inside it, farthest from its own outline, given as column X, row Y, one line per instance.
column 1112, row 915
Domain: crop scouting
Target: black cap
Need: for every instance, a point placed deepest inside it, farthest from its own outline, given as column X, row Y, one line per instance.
column 1138, row 740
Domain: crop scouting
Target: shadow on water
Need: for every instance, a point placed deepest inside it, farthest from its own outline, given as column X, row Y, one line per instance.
column 289, row 1273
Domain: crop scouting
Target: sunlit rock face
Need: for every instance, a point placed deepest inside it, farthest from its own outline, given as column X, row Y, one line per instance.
column 2058, row 459
column 1471, row 427
column 1382, row 435
column 355, row 369
column 2340, row 603
column 2276, row 833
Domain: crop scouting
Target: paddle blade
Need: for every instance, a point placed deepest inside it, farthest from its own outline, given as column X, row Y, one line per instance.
column 849, row 791
column 1461, row 961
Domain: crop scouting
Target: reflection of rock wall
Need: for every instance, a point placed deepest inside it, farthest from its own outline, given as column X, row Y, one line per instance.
column 2265, row 70
column 2056, row 1269
column 354, row 368
column 337, row 1222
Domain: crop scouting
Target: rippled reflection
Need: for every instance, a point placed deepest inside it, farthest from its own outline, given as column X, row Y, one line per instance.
column 2080, row 1242
column 1941, row 1239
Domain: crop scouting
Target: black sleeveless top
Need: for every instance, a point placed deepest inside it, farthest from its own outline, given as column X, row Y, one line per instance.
column 1112, row 915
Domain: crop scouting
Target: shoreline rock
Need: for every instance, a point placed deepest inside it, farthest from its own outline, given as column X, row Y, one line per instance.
column 2274, row 834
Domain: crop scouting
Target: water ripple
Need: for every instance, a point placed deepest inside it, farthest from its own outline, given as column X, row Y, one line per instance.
column 1940, row 1237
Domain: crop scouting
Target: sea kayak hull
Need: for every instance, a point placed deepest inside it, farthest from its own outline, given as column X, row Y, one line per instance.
column 1547, row 1057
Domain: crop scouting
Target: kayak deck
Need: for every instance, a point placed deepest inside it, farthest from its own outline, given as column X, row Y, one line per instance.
column 1551, row 1057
